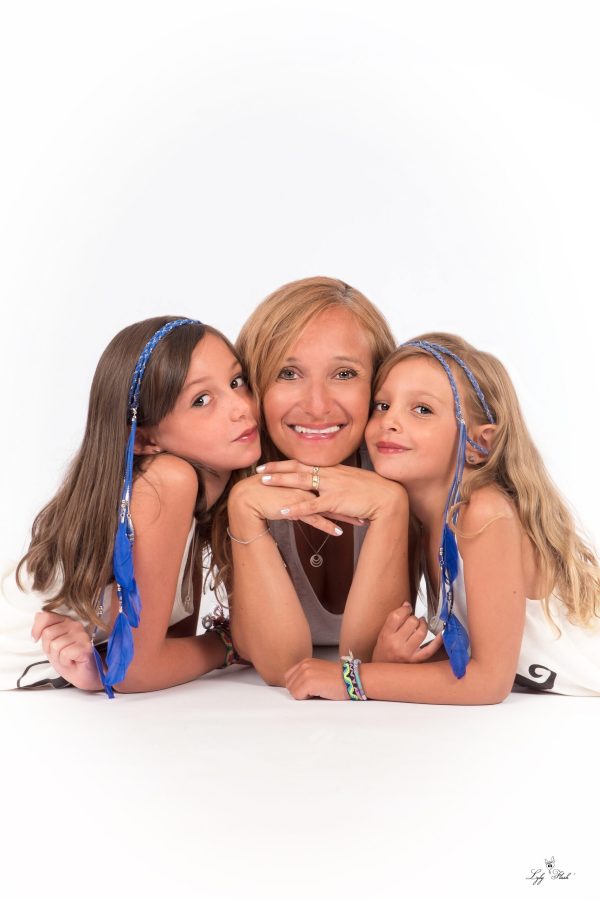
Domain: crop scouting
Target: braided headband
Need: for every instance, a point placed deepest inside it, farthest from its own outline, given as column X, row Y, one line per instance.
column 120, row 644
column 455, row 637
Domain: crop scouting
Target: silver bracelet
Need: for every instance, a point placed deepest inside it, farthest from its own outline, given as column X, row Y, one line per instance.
column 246, row 542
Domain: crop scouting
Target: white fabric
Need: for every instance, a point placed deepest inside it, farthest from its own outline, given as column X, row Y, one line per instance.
column 566, row 663
column 17, row 610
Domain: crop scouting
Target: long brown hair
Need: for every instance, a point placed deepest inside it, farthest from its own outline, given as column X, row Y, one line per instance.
column 565, row 559
column 277, row 322
column 70, row 554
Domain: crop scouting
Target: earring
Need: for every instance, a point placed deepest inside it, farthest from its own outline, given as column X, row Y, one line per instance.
column 471, row 459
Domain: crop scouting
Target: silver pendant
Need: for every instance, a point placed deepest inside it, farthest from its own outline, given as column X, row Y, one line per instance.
column 434, row 625
column 316, row 560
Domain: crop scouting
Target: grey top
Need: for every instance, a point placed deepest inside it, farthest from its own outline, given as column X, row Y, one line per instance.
column 324, row 625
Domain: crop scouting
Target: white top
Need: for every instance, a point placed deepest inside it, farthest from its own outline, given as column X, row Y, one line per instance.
column 567, row 663
column 18, row 652
column 324, row 625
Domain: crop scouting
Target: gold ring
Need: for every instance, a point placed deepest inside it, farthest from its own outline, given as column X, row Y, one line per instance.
column 316, row 480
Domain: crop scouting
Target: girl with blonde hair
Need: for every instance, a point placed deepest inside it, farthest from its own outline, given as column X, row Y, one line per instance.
column 171, row 394
column 311, row 349
column 513, row 591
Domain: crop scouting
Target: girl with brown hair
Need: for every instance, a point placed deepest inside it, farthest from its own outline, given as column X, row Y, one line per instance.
column 174, row 392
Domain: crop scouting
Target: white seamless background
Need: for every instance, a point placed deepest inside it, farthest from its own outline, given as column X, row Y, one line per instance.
column 188, row 158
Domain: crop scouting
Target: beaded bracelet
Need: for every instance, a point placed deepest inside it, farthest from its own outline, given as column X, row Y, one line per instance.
column 351, row 677
column 218, row 624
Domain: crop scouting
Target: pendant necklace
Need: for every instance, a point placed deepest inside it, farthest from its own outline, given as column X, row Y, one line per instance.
column 316, row 560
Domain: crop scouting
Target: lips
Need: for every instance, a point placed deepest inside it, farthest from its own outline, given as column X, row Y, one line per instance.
column 247, row 435
column 384, row 446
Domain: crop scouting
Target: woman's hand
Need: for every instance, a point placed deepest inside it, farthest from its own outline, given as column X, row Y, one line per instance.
column 401, row 636
column 68, row 648
column 316, row 678
column 252, row 498
column 344, row 492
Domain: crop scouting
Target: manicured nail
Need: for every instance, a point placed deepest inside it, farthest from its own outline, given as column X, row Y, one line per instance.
column 266, row 478
column 406, row 604
column 338, row 532
column 361, row 520
column 260, row 467
column 284, row 511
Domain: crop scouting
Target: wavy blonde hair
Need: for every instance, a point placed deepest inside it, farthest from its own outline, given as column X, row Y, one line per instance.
column 566, row 561
column 277, row 322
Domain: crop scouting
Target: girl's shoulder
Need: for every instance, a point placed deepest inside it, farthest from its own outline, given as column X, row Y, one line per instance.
column 485, row 506
column 166, row 479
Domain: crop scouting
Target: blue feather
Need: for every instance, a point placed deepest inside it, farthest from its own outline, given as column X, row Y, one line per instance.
column 123, row 558
column 120, row 651
column 450, row 554
column 100, row 666
column 456, row 643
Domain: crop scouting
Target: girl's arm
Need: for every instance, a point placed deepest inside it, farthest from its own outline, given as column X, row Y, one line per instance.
column 162, row 506
column 495, row 590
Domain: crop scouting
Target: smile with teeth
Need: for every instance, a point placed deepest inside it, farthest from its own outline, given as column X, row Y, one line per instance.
column 316, row 432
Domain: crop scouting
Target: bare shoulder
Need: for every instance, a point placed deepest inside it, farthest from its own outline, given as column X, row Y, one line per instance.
column 486, row 506
column 166, row 482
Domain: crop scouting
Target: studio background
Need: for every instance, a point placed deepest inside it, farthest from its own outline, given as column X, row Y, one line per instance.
column 189, row 158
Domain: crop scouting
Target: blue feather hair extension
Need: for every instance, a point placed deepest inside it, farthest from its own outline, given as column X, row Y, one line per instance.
column 120, row 644
column 455, row 636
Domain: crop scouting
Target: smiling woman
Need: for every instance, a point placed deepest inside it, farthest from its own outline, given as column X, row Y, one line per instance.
column 310, row 350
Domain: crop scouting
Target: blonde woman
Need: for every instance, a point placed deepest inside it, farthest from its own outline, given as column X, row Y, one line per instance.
column 311, row 350
column 513, row 589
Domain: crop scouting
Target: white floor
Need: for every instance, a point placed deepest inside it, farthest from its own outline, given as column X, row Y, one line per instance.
column 227, row 788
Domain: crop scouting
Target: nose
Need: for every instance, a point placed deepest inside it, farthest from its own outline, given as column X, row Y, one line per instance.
column 392, row 421
column 316, row 399
column 243, row 405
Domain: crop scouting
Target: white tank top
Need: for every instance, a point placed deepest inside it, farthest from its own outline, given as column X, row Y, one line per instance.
column 22, row 662
column 567, row 663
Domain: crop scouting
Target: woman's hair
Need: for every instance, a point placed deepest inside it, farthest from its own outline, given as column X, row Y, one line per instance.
column 277, row 322
column 71, row 549
column 566, row 561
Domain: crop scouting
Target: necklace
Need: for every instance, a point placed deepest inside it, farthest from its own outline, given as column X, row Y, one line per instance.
column 316, row 560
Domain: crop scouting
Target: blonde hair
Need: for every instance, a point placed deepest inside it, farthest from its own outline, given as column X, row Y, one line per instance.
column 567, row 563
column 280, row 319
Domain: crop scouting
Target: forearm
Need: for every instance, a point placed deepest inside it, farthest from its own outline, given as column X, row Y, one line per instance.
column 381, row 582
column 434, row 683
column 268, row 625
column 177, row 660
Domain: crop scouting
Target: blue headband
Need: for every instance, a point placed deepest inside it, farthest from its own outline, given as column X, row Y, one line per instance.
column 120, row 644
column 455, row 637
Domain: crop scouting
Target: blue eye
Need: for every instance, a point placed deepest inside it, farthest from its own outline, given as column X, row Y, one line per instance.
column 287, row 374
column 346, row 374
column 422, row 409
column 239, row 381
column 381, row 407
column 203, row 400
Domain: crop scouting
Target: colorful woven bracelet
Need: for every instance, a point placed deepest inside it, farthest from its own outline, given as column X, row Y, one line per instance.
column 351, row 677
column 219, row 625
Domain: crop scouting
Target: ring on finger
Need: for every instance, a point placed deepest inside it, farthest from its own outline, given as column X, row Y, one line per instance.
column 316, row 480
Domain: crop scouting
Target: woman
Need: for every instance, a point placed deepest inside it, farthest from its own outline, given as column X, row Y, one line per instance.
column 310, row 351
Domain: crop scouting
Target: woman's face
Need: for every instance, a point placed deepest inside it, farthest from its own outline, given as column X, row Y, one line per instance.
column 214, row 420
column 318, row 406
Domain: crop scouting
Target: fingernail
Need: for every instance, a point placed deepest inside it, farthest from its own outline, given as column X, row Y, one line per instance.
column 338, row 532
column 266, row 478
column 407, row 604
column 361, row 520
column 260, row 467
column 284, row 511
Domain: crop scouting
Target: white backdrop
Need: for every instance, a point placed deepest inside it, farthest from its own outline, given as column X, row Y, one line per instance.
column 188, row 158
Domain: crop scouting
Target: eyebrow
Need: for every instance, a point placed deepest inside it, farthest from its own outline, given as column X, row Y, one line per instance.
column 334, row 358
column 206, row 379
